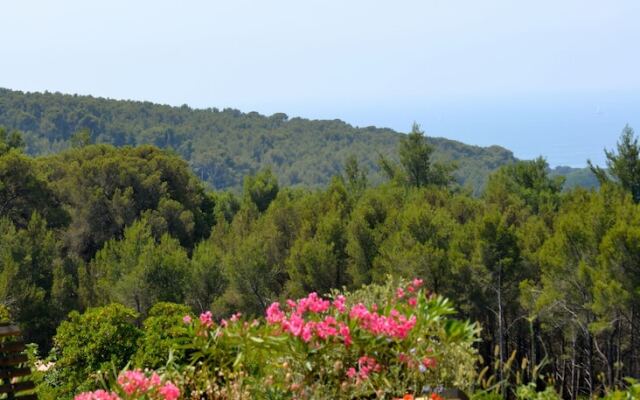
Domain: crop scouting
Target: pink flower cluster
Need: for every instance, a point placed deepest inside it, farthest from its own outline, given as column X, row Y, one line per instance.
column 136, row 384
column 366, row 365
column 411, row 288
column 395, row 325
column 97, row 395
column 296, row 325
column 206, row 319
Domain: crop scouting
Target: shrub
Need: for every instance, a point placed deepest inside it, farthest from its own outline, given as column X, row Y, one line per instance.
column 163, row 333
column 378, row 341
column 101, row 339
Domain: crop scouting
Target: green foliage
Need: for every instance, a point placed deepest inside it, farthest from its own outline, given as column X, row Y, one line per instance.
column 631, row 392
column 139, row 271
column 529, row 392
column 528, row 181
column 23, row 191
column 10, row 141
column 416, row 167
column 624, row 166
column 261, row 189
column 106, row 189
column 163, row 333
column 224, row 146
column 415, row 154
column 355, row 175
column 89, row 344
column 30, row 270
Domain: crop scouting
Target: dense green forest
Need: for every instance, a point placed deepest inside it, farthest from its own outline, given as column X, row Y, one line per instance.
column 551, row 276
column 223, row 146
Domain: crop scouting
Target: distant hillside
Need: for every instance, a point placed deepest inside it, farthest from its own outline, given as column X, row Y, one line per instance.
column 222, row 146
column 576, row 177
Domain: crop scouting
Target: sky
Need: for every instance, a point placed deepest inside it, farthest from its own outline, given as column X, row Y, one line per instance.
column 553, row 78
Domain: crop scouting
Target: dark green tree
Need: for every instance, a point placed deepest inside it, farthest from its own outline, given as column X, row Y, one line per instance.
column 623, row 167
column 416, row 167
column 261, row 189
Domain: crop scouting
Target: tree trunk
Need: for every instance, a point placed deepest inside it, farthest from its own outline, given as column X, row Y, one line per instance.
column 574, row 385
column 501, row 332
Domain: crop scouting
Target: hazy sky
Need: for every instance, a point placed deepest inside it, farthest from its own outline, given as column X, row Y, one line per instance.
column 557, row 78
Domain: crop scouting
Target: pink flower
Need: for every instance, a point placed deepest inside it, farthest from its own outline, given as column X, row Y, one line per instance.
column 133, row 382
column 351, row 372
column 429, row 362
column 206, row 319
column 155, row 380
column 412, row 302
column 339, row 303
column 294, row 325
column 169, row 391
column 186, row 319
column 307, row 331
column 399, row 293
column 274, row 315
column 417, row 283
column 395, row 326
column 235, row 317
column 97, row 395
column 346, row 334
column 366, row 365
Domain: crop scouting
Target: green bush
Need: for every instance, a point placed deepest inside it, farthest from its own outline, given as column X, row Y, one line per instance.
column 163, row 333
column 87, row 345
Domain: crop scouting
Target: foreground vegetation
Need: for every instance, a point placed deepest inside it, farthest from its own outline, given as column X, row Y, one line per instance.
column 373, row 342
column 96, row 240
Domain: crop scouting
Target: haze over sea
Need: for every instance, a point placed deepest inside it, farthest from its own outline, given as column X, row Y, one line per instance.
column 553, row 78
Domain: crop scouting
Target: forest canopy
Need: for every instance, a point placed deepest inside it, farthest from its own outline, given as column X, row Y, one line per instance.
column 224, row 146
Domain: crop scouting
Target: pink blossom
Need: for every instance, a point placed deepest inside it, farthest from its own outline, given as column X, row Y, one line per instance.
column 417, row 283
column 186, row 319
column 97, row 395
column 346, row 334
column 399, row 293
column 429, row 362
column 412, row 302
column 307, row 331
column 366, row 365
column 351, row 372
column 396, row 325
column 155, row 380
column 169, row 391
column 311, row 303
column 339, row 303
column 133, row 382
column 206, row 319
column 294, row 325
column 235, row 317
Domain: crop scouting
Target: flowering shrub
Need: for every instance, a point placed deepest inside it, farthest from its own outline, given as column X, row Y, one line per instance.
column 136, row 385
column 380, row 341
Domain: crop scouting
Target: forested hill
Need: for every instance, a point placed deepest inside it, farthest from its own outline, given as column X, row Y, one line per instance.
column 222, row 146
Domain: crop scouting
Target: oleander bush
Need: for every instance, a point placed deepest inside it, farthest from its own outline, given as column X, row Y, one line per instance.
column 378, row 342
